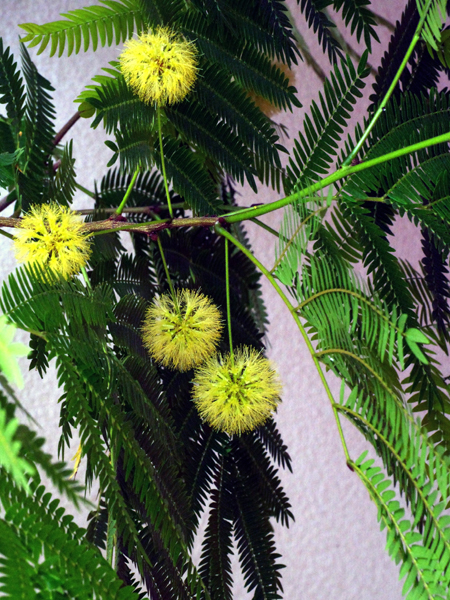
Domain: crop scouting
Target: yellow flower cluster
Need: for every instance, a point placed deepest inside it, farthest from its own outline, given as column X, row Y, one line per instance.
column 233, row 393
column 236, row 393
column 184, row 333
column 52, row 236
column 159, row 66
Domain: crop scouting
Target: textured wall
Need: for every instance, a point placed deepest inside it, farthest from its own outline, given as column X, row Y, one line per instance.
column 334, row 549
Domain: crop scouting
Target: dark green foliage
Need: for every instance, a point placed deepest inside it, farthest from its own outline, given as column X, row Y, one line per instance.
column 11, row 90
column 322, row 25
column 360, row 19
column 114, row 102
column 435, row 271
column 214, row 139
column 161, row 12
column 189, row 178
column 62, row 187
column 27, row 133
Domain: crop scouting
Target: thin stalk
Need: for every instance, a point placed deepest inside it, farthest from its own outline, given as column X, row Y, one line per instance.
column 266, row 227
column 390, row 91
column 85, row 277
column 111, row 537
column 169, row 280
column 103, row 227
column 84, row 190
column 6, row 234
column 221, row 231
column 227, row 284
column 163, row 164
column 134, row 210
column 344, row 171
column 62, row 132
column 128, row 192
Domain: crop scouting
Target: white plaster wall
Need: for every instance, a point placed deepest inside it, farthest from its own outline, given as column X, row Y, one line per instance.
column 334, row 550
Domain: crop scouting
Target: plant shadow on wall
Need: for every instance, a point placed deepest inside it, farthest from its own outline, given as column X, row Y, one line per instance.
column 159, row 352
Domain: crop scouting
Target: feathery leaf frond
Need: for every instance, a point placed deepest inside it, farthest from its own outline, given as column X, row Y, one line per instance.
column 11, row 89
column 361, row 19
column 322, row 25
column 314, row 151
column 104, row 25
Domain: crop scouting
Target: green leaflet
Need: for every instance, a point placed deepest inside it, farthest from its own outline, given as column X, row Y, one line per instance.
column 427, row 572
column 97, row 25
column 10, row 458
column 314, row 150
column 9, row 351
column 434, row 12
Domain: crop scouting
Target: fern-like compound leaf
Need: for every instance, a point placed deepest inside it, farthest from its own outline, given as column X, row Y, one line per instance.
column 322, row 26
column 316, row 148
column 360, row 19
column 11, row 89
column 433, row 13
column 95, row 25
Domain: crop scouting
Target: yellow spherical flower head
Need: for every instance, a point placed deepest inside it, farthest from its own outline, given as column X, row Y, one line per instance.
column 236, row 394
column 181, row 335
column 52, row 236
column 159, row 66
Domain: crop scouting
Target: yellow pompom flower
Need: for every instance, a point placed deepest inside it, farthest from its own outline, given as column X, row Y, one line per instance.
column 159, row 66
column 181, row 335
column 52, row 236
column 236, row 394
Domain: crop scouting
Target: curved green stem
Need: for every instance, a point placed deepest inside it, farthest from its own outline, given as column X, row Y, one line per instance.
column 221, row 231
column 163, row 164
column 128, row 192
column 364, row 363
column 390, row 91
column 227, row 284
column 356, row 295
column 345, row 171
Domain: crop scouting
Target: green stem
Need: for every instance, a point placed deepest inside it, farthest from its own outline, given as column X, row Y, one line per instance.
column 85, row 277
column 163, row 164
column 391, row 89
column 6, row 234
column 345, row 171
column 111, row 531
column 368, row 367
column 360, row 297
column 128, row 192
column 169, row 280
column 227, row 283
column 221, row 231
column 84, row 190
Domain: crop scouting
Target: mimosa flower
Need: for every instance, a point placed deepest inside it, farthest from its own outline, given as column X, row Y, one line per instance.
column 181, row 335
column 236, row 394
column 159, row 66
column 52, row 236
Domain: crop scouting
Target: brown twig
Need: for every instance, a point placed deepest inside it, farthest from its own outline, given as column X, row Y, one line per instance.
column 7, row 200
column 115, row 225
column 65, row 128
